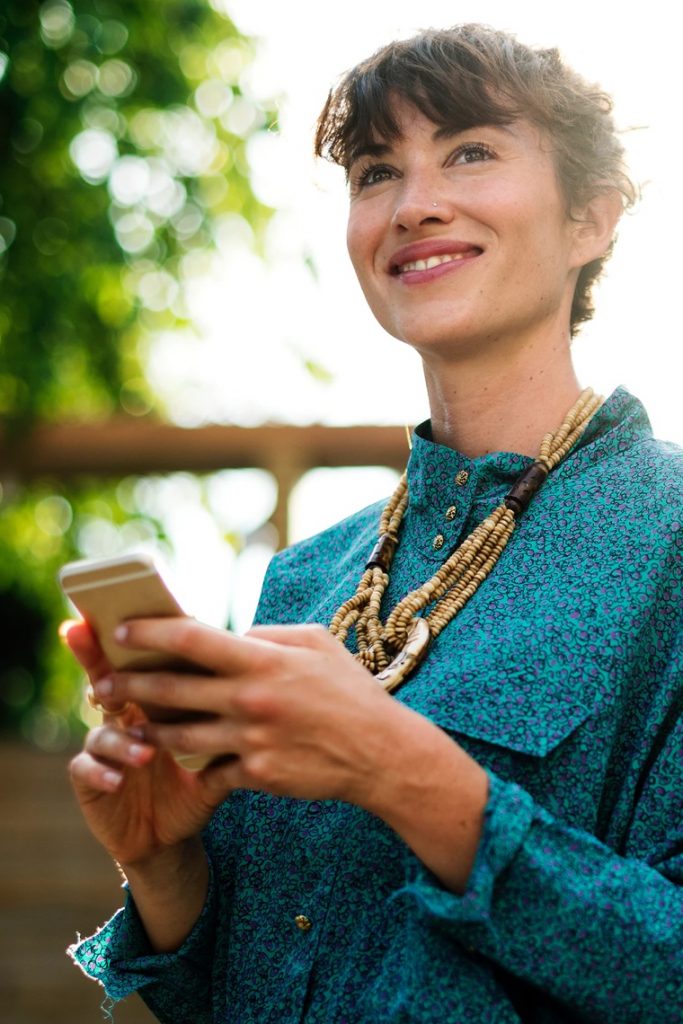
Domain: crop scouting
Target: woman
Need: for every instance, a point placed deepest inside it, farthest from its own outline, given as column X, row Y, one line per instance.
column 498, row 838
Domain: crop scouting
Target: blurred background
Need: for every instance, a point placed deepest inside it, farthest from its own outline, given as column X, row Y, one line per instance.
column 185, row 356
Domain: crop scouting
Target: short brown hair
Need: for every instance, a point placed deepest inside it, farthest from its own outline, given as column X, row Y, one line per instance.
column 471, row 75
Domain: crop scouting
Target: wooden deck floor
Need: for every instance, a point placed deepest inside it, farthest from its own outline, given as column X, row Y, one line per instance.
column 55, row 881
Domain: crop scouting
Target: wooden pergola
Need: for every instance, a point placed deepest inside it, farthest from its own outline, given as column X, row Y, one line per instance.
column 129, row 445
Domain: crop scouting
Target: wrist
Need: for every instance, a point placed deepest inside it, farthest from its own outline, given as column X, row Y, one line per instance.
column 406, row 744
column 169, row 890
column 433, row 795
column 169, row 866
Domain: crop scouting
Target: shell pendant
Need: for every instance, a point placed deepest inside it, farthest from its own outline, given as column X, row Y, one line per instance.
column 408, row 658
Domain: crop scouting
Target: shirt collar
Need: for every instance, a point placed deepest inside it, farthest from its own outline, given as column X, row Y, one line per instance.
column 435, row 469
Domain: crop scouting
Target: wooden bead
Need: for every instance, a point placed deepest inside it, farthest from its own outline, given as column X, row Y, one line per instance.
column 382, row 553
column 461, row 574
column 525, row 487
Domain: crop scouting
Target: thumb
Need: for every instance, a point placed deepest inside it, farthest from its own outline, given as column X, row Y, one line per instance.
column 308, row 634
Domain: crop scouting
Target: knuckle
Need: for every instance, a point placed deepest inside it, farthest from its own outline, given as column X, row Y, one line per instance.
column 94, row 739
column 255, row 737
column 254, row 701
column 259, row 769
column 104, row 741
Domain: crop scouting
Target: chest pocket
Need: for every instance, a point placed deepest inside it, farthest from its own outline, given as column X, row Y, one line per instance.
column 516, row 693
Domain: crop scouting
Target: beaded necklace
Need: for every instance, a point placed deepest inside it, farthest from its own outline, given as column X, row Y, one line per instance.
column 391, row 651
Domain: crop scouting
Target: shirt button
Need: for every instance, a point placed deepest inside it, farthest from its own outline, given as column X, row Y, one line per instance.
column 462, row 477
column 437, row 543
column 303, row 923
column 451, row 513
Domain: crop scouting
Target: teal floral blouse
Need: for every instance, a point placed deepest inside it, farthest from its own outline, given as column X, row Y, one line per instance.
column 563, row 676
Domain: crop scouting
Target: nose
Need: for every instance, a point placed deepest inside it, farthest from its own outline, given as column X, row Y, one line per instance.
column 421, row 204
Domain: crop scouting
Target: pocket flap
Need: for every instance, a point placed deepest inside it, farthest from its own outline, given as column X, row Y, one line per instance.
column 527, row 699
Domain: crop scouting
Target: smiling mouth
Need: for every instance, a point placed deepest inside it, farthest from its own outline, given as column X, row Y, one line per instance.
column 436, row 261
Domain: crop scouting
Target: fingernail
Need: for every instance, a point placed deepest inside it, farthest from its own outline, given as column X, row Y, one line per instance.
column 104, row 687
column 121, row 633
column 65, row 627
column 136, row 732
column 112, row 778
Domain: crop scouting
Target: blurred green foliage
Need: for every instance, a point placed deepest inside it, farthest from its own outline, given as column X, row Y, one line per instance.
column 124, row 129
column 41, row 527
column 123, row 133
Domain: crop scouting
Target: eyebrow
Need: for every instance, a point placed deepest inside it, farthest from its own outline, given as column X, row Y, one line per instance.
column 370, row 149
column 443, row 132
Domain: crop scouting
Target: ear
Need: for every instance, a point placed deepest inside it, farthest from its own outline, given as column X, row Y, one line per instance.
column 594, row 226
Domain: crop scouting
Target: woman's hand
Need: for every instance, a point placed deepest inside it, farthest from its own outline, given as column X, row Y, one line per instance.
column 285, row 709
column 145, row 810
column 288, row 710
column 136, row 800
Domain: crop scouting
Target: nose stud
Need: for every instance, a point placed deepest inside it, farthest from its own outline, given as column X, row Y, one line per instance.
column 435, row 204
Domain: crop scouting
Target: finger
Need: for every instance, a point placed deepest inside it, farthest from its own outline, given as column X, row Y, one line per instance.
column 111, row 708
column 85, row 647
column 126, row 717
column 215, row 738
column 122, row 713
column 87, row 773
column 117, row 747
column 251, row 771
column 308, row 634
column 176, row 690
column 66, row 626
column 217, row 650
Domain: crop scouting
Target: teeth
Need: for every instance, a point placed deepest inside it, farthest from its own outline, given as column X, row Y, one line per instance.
column 433, row 261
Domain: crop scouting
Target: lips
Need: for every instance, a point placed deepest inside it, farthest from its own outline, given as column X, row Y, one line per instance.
column 435, row 261
column 430, row 254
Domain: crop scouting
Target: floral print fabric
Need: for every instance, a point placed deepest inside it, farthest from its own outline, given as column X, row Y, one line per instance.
column 563, row 676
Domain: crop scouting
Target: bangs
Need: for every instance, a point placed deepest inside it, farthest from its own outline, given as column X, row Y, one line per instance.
column 451, row 86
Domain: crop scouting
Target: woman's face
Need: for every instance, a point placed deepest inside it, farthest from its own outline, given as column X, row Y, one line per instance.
column 462, row 241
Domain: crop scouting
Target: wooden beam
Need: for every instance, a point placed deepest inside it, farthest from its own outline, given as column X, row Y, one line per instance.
column 128, row 445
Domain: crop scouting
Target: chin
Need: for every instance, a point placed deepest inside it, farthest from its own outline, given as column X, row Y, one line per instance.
column 441, row 343
column 436, row 330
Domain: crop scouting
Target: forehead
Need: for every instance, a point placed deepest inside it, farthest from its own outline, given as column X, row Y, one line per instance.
column 411, row 127
column 379, row 116
column 395, row 118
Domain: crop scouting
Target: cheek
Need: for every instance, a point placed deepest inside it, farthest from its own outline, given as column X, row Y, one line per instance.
column 538, row 232
column 354, row 241
column 363, row 238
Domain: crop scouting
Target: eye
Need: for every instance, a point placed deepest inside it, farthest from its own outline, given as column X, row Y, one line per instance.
column 370, row 174
column 472, row 153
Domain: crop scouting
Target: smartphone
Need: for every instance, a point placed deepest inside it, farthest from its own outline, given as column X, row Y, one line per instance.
column 108, row 591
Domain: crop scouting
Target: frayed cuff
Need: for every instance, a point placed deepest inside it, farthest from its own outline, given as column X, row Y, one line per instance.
column 120, row 958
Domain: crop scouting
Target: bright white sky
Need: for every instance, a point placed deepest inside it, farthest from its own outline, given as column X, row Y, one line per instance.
column 257, row 321
column 277, row 314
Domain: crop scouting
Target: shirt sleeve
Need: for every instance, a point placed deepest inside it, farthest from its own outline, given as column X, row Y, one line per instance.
column 600, row 932
column 176, row 986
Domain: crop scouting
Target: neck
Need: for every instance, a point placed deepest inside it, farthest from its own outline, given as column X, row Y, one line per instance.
column 504, row 405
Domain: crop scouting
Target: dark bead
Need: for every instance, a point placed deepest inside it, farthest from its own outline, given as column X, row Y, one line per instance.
column 525, row 486
column 382, row 553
